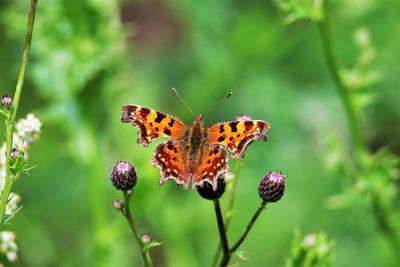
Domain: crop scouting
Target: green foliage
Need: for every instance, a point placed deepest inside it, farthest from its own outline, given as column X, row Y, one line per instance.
column 302, row 9
column 310, row 250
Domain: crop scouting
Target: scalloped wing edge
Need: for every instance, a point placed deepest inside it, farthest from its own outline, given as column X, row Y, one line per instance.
column 259, row 135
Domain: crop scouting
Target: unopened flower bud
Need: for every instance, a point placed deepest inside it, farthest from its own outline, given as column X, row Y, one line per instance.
column 123, row 176
column 146, row 239
column 272, row 187
column 14, row 153
column 118, row 204
column 6, row 101
column 207, row 191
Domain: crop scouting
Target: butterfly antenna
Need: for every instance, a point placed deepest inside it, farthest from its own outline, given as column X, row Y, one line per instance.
column 183, row 101
column 219, row 103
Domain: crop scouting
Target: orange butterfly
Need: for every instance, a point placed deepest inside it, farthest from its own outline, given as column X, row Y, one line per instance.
column 193, row 153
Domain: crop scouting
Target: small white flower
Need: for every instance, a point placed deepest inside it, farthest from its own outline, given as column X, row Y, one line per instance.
column 3, row 155
column 229, row 175
column 12, row 256
column 8, row 245
column 12, row 205
column 7, row 236
column 28, row 129
column 309, row 240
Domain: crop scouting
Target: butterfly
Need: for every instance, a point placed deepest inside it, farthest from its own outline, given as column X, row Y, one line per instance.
column 192, row 153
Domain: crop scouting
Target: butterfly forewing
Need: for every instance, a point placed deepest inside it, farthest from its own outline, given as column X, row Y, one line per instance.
column 236, row 135
column 152, row 123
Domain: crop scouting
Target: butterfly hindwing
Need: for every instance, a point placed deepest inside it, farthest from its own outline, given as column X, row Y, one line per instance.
column 151, row 123
column 236, row 135
column 167, row 158
column 212, row 163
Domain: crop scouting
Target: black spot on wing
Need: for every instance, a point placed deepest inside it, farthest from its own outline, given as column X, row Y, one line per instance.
column 171, row 123
column 233, row 125
column 221, row 139
column 144, row 111
column 221, row 128
column 170, row 146
column 160, row 117
column 167, row 131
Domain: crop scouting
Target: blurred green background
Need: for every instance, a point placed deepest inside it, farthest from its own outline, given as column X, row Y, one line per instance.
column 90, row 57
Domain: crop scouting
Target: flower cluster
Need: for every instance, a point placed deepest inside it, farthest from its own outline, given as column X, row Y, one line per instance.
column 8, row 245
column 27, row 132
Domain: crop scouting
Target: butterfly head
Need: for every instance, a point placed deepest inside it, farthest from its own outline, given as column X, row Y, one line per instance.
column 199, row 119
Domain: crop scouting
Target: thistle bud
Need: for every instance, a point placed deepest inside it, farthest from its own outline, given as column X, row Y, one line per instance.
column 123, row 176
column 6, row 101
column 272, row 187
column 207, row 191
column 14, row 153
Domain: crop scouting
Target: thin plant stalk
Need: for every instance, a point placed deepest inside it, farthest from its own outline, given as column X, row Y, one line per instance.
column 341, row 87
column 232, row 194
column 249, row 226
column 354, row 124
column 9, row 179
column 127, row 213
column 227, row 255
column 221, row 227
column 231, row 202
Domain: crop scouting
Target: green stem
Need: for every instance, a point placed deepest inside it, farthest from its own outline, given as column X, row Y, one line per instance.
column 9, row 179
column 342, row 90
column 127, row 213
column 249, row 226
column 221, row 228
column 384, row 224
column 227, row 255
column 232, row 194
column 354, row 124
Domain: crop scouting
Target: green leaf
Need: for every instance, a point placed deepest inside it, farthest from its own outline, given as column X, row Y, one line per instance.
column 302, row 9
column 150, row 245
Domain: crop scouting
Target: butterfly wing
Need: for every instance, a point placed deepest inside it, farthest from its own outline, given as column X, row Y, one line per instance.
column 172, row 166
column 151, row 123
column 212, row 163
column 237, row 135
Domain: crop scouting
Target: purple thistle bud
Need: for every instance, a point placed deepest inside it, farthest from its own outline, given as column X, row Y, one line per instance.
column 123, row 176
column 243, row 118
column 118, row 204
column 14, row 153
column 207, row 192
column 6, row 101
column 272, row 187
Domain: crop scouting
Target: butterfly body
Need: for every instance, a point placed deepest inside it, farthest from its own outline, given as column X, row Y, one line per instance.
column 193, row 153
